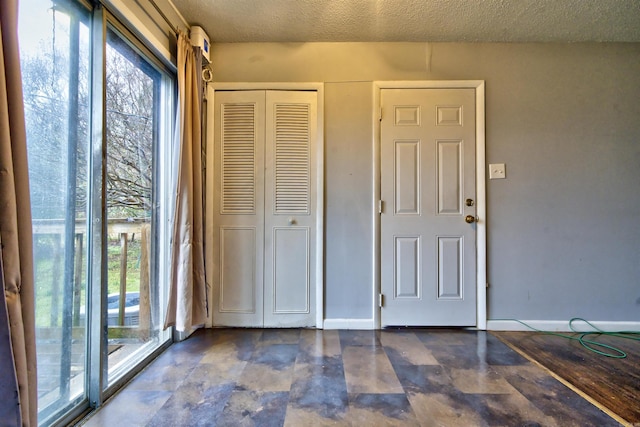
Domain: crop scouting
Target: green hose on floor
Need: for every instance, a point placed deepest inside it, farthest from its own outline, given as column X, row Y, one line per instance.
column 593, row 346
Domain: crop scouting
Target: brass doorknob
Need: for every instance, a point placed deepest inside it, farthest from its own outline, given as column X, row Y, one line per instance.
column 470, row 219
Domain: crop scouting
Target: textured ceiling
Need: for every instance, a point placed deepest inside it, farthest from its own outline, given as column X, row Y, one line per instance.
column 415, row 20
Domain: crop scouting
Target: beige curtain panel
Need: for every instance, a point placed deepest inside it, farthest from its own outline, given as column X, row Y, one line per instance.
column 187, row 306
column 15, row 228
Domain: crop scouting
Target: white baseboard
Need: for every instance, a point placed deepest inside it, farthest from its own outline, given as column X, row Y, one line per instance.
column 363, row 324
column 561, row 325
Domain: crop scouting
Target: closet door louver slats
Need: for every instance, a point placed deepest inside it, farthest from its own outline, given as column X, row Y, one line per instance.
column 292, row 159
column 238, row 154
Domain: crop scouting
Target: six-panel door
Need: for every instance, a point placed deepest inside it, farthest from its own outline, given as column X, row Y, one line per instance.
column 427, row 175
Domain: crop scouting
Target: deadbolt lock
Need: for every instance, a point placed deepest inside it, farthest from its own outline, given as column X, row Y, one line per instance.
column 469, row 202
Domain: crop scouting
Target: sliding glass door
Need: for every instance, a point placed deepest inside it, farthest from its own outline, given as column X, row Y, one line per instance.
column 98, row 109
column 55, row 61
column 135, row 88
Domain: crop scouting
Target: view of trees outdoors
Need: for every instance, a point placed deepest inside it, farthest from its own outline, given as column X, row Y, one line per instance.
column 49, row 70
column 130, row 114
column 57, row 127
column 55, row 78
column 130, row 134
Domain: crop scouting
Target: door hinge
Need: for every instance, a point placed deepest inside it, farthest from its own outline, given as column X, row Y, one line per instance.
column 380, row 115
column 487, row 285
column 380, row 300
column 380, row 206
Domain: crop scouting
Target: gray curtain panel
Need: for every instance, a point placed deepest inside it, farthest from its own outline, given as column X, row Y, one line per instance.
column 10, row 402
column 187, row 305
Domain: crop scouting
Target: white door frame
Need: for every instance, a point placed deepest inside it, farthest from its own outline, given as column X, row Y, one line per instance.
column 208, row 138
column 481, row 212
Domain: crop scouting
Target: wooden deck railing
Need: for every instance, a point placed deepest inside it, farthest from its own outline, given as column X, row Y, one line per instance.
column 126, row 230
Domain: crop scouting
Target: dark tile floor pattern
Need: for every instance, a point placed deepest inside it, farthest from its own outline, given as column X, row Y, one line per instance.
column 245, row 377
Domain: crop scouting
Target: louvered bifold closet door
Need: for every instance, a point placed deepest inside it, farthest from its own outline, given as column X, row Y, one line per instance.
column 238, row 213
column 290, row 217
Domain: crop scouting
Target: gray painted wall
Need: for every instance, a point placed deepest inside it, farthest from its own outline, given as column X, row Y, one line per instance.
column 348, row 199
column 563, row 228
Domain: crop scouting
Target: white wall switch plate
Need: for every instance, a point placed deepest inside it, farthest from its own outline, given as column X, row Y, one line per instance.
column 497, row 171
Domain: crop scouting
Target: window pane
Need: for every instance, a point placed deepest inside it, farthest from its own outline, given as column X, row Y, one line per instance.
column 55, row 62
column 133, row 88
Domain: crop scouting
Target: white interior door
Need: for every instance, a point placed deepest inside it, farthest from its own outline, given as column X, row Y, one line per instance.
column 428, row 249
column 290, row 212
column 238, row 213
column 264, row 215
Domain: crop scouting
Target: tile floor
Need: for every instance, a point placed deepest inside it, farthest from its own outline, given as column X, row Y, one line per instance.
column 248, row 377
